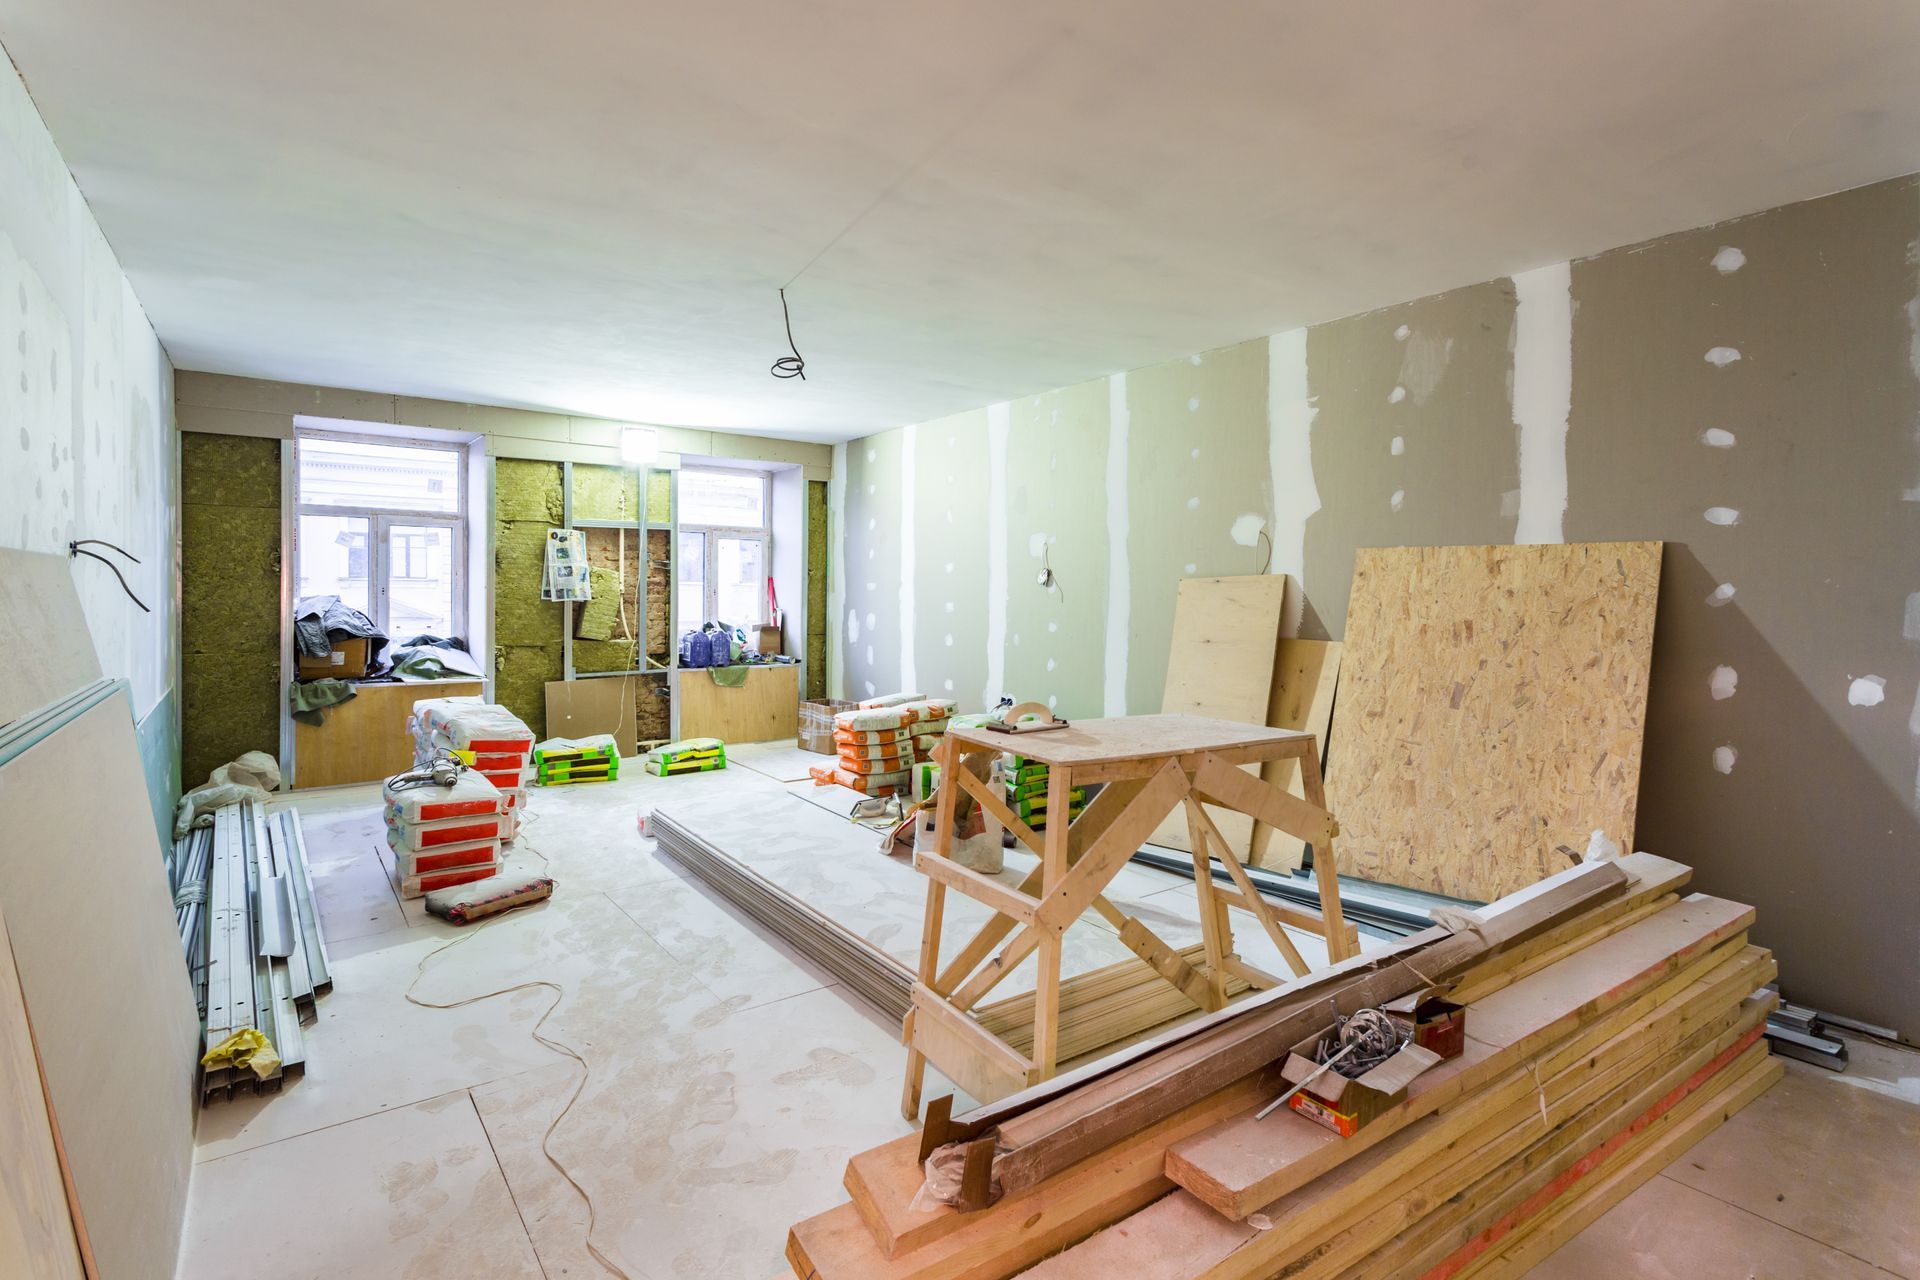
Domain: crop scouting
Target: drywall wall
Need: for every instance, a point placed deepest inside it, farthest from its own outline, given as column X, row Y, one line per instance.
column 86, row 410
column 1748, row 393
column 229, row 600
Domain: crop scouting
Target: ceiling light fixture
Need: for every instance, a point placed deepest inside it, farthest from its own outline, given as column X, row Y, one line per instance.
column 638, row 447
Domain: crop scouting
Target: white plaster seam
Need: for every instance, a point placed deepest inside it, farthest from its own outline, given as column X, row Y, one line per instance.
column 1119, row 565
column 1290, row 414
column 837, row 573
column 909, row 674
column 1543, row 398
column 999, row 424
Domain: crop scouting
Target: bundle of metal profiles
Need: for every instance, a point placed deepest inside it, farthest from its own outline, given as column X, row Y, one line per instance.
column 265, row 960
column 188, row 871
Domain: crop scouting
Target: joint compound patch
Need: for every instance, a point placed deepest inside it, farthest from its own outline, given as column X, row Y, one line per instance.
column 1717, row 438
column 1722, row 682
column 1721, row 357
column 1723, row 515
column 1867, row 691
column 1247, row 529
column 1724, row 758
column 1720, row 594
column 1728, row 260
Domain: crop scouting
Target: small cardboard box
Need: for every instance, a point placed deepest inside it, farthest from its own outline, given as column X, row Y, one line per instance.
column 1347, row 1106
column 1434, row 1022
column 767, row 638
column 346, row 661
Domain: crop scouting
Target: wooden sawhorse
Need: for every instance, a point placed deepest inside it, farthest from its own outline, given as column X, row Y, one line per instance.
column 1149, row 765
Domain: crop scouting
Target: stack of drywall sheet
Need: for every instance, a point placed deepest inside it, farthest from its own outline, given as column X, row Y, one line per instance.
column 1610, row 1023
column 821, row 885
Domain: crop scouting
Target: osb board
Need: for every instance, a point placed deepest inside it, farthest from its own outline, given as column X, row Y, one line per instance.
column 49, row 652
column 36, row 1229
column 1222, row 666
column 365, row 738
column 765, row 708
column 99, row 958
column 1492, row 703
column 1305, row 674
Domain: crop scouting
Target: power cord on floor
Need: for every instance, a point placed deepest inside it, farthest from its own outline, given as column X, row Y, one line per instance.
column 567, row 1051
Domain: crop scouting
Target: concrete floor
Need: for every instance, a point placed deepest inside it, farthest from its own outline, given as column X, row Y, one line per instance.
column 729, row 1083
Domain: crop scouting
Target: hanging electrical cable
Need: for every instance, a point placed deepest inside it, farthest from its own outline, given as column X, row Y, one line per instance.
column 793, row 366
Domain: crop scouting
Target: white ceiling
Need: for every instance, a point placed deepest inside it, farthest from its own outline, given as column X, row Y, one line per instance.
column 588, row 206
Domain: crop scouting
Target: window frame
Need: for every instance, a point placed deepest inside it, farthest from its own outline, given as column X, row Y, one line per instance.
column 380, row 522
column 710, row 544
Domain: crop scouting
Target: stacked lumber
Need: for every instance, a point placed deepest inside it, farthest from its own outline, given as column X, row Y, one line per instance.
column 1610, row 1024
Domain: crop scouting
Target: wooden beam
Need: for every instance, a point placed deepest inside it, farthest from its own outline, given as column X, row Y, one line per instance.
column 1285, row 914
column 981, row 888
column 1064, row 899
column 1254, row 903
column 1192, row 983
column 995, row 970
column 1220, row 783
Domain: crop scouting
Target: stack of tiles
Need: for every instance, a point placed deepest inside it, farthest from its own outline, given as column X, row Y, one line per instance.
column 488, row 737
column 442, row 836
column 1027, row 792
column 559, row 761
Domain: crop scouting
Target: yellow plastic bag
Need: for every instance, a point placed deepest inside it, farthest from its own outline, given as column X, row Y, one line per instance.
column 247, row 1047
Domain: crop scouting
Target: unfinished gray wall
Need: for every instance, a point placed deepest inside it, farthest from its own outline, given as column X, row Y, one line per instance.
column 1588, row 401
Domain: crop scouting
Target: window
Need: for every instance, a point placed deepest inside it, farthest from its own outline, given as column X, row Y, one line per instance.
column 723, row 548
column 382, row 526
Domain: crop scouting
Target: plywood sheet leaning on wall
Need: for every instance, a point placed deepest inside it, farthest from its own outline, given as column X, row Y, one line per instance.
column 1305, row 674
column 1221, row 666
column 100, row 966
column 1492, row 703
column 36, row 1229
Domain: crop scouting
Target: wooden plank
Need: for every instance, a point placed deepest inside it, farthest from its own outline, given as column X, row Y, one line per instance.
column 1250, row 898
column 981, row 888
column 1145, row 739
column 1491, row 710
column 1285, row 913
column 37, row 1235
column 966, row 1053
column 1064, row 899
column 1246, row 1163
column 1579, row 892
column 1305, row 676
column 1220, row 784
column 365, row 738
column 99, row 964
column 1069, row 1128
column 765, row 708
column 1167, row 963
column 1221, row 664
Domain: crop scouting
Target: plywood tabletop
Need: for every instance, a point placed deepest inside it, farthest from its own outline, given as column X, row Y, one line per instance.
column 1127, row 738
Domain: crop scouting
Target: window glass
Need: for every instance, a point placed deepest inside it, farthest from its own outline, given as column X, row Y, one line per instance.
column 741, row 581
column 729, row 499
column 692, row 587
column 333, row 559
column 381, row 477
column 420, row 568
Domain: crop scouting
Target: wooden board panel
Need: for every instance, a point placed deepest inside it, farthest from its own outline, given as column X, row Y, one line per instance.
column 581, row 708
column 365, row 738
column 36, row 1229
column 49, row 652
column 765, row 708
column 1221, row 666
column 93, row 931
column 1305, row 674
column 1492, row 702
